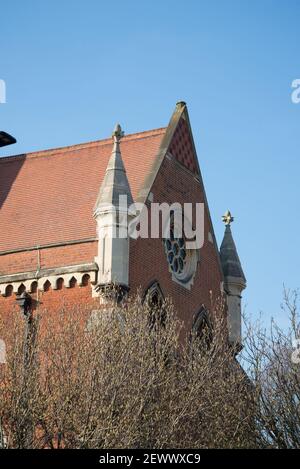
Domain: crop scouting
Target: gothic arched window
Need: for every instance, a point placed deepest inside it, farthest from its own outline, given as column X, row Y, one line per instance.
column 154, row 295
column 154, row 298
column 202, row 329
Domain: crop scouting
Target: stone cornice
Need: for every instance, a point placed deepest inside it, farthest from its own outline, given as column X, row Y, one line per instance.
column 51, row 275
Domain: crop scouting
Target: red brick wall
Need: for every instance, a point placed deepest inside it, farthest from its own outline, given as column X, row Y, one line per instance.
column 148, row 262
column 147, row 256
column 49, row 257
column 54, row 300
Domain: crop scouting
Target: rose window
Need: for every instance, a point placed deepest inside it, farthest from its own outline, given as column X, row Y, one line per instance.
column 176, row 253
column 182, row 261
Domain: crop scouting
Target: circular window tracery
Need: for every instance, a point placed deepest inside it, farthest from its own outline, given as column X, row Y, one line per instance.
column 182, row 261
column 176, row 252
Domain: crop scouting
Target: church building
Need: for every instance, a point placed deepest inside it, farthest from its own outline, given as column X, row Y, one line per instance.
column 58, row 210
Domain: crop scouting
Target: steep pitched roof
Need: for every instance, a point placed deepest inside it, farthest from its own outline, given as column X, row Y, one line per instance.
column 48, row 196
column 178, row 140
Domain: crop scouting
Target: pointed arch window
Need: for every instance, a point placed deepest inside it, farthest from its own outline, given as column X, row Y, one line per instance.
column 155, row 300
column 154, row 295
column 202, row 328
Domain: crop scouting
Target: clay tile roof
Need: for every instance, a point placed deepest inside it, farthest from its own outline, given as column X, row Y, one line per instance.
column 48, row 196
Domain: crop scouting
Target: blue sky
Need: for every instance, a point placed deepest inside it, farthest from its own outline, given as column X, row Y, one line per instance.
column 73, row 68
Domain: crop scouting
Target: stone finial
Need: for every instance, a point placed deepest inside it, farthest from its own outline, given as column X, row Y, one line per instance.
column 181, row 104
column 229, row 257
column 115, row 182
column 117, row 133
column 227, row 218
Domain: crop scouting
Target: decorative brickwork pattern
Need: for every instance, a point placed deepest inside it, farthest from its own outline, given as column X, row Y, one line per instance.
column 182, row 148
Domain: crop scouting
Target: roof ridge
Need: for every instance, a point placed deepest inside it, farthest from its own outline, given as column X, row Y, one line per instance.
column 79, row 146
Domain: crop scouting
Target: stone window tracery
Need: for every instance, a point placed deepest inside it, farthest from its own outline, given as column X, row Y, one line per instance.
column 182, row 261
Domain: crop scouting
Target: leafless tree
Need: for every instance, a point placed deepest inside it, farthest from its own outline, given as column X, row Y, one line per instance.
column 272, row 359
column 124, row 378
